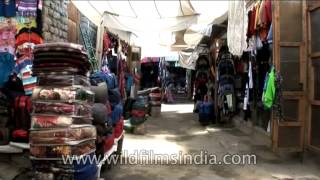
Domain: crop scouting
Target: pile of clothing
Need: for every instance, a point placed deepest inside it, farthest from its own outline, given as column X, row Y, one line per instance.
column 139, row 110
column 155, row 97
column 20, row 31
column 107, row 110
column 7, row 47
column 61, row 123
column 226, row 89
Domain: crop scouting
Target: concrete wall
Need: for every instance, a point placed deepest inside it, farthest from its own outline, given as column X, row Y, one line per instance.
column 55, row 20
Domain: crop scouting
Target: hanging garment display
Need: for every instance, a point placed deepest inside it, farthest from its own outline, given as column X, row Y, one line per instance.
column 225, row 78
column 6, row 67
column 7, row 42
column 237, row 27
column 117, row 111
column 8, row 8
column 27, row 7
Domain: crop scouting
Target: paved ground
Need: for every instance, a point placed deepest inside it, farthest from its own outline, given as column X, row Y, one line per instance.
column 177, row 130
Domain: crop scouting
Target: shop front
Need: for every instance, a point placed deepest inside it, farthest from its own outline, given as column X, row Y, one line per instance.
column 291, row 41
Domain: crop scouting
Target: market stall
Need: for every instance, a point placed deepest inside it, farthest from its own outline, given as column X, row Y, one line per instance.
column 20, row 31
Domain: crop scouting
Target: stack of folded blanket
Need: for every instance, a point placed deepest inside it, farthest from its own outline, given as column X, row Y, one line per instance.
column 61, row 123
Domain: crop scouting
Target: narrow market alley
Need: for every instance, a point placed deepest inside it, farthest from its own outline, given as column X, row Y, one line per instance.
column 159, row 90
column 177, row 130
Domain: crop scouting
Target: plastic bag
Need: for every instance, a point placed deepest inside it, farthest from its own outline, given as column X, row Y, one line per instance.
column 63, row 135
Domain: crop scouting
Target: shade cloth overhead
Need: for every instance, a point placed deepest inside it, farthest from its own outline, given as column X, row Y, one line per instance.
column 152, row 15
column 155, row 18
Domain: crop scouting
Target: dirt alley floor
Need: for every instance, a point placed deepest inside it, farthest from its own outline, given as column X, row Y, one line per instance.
column 177, row 129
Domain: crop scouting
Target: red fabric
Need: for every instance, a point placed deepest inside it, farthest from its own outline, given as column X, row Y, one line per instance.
column 122, row 81
column 137, row 79
column 119, row 128
column 23, row 102
column 30, row 86
column 109, row 109
column 201, row 82
column 26, row 74
column 108, row 142
column 20, row 133
column 268, row 12
column 106, row 42
column 155, row 95
column 28, row 37
column 251, row 23
column 263, row 33
column 266, row 19
column 23, row 58
column 138, row 113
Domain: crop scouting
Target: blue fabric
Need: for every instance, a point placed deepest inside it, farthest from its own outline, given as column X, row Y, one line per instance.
column 113, row 64
column 265, row 83
column 205, row 108
column 29, row 80
column 88, row 172
column 6, row 66
column 270, row 36
column 129, row 83
column 8, row 10
column 114, row 96
column 109, row 78
column 97, row 78
column 22, row 65
column 28, row 92
column 116, row 113
column 111, row 81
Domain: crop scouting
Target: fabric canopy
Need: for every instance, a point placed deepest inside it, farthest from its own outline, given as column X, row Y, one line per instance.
column 155, row 21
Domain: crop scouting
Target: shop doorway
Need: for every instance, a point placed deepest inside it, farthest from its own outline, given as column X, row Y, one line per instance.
column 290, row 59
column 314, row 74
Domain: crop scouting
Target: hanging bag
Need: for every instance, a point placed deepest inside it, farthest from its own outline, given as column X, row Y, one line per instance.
column 270, row 90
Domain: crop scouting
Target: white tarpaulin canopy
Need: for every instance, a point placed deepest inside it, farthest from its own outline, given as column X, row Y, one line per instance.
column 155, row 21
